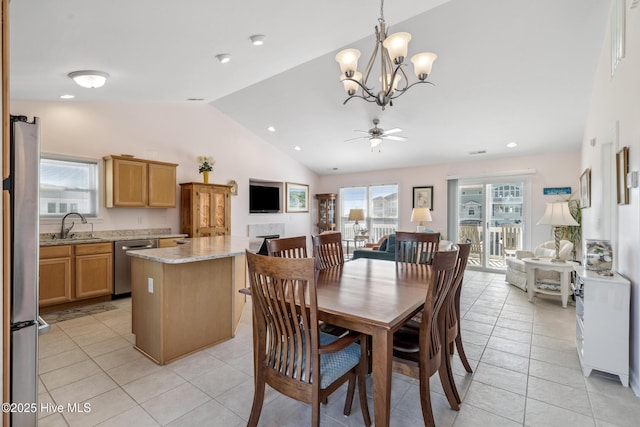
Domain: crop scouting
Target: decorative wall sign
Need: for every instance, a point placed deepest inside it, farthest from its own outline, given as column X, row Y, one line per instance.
column 622, row 169
column 585, row 189
column 556, row 190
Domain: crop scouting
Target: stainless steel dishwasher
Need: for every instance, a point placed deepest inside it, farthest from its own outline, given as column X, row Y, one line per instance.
column 122, row 263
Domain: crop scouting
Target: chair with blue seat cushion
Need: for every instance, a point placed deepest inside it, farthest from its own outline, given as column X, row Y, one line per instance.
column 290, row 353
column 416, row 248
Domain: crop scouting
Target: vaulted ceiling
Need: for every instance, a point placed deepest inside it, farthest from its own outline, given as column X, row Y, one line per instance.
column 507, row 71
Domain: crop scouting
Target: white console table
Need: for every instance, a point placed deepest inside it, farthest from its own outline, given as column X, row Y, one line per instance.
column 564, row 268
column 602, row 324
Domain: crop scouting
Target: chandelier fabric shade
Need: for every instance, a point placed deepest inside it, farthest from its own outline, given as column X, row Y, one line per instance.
column 392, row 51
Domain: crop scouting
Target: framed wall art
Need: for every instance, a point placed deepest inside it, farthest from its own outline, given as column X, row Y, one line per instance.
column 585, row 189
column 622, row 169
column 423, row 197
column 297, row 197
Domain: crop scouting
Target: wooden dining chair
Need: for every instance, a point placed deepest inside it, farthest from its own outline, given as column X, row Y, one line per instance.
column 463, row 258
column 419, row 352
column 292, row 355
column 327, row 250
column 416, row 248
column 288, row 247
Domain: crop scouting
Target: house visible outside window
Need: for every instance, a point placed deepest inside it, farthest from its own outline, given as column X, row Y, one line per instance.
column 68, row 185
column 380, row 205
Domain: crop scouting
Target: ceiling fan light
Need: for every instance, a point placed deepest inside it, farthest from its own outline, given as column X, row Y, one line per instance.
column 375, row 141
column 397, row 45
column 422, row 64
column 350, row 86
column 348, row 60
column 90, row 79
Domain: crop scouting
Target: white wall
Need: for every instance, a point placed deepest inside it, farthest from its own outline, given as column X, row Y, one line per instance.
column 617, row 99
column 175, row 133
column 557, row 170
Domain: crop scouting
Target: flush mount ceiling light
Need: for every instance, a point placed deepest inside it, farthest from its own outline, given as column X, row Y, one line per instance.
column 223, row 58
column 90, row 79
column 392, row 50
column 512, row 144
column 67, row 96
column 271, row 129
column 257, row 39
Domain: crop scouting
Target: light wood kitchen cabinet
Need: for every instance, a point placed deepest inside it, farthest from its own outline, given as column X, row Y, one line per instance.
column 139, row 183
column 56, row 274
column 205, row 209
column 167, row 243
column 94, row 270
column 70, row 274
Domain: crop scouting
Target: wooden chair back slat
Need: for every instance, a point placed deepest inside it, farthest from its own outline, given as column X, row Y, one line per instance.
column 288, row 247
column 327, row 250
column 416, row 248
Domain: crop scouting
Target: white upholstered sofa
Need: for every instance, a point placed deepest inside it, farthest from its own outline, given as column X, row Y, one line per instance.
column 516, row 273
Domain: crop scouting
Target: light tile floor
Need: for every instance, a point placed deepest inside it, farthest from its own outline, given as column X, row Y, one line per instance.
column 526, row 373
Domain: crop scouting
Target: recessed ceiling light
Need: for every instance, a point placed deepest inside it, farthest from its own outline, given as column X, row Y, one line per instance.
column 90, row 79
column 297, row 148
column 512, row 145
column 271, row 129
column 257, row 39
column 223, row 58
column 67, row 96
column 195, row 99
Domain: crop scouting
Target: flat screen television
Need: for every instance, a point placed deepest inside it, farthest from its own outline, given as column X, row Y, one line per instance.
column 264, row 199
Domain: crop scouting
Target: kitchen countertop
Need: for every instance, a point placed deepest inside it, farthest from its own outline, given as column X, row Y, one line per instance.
column 47, row 240
column 200, row 249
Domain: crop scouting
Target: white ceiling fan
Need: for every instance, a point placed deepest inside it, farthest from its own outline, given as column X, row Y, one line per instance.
column 375, row 135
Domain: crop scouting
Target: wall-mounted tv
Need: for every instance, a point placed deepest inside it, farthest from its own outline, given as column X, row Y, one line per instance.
column 264, row 199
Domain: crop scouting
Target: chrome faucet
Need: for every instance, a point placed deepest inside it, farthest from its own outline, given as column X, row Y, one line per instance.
column 64, row 232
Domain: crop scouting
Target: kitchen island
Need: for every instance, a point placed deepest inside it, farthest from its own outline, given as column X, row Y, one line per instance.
column 185, row 298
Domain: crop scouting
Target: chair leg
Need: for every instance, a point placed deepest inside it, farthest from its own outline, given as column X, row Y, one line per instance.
column 461, row 353
column 258, row 400
column 350, row 390
column 315, row 413
column 425, row 400
column 362, row 394
column 448, row 383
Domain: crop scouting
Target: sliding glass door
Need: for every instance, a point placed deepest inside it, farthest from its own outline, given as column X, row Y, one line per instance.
column 491, row 216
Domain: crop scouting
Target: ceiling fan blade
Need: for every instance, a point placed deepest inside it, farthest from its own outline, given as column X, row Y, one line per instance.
column 396, row 138
column 394, row 130
column 355, row 139
column 362, row 131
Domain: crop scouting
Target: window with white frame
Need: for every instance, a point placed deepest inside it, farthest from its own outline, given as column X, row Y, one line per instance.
column 380, row 205
column 68, row 185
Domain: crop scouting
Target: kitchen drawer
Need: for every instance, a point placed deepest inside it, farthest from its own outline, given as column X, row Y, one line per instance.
column 55, row 251
column 94, row 248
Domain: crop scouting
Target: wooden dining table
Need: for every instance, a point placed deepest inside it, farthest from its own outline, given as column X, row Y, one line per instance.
column 375, row 297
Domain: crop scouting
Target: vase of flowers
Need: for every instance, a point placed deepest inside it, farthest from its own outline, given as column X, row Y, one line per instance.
column 205, row 165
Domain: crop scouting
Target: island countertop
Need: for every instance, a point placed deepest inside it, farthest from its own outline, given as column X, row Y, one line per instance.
column 200, row 249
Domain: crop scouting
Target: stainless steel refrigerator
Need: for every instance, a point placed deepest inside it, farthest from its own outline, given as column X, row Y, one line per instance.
column 23, row 186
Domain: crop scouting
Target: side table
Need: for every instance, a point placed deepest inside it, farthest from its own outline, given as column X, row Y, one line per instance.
column 355, row 241
column 564, row 268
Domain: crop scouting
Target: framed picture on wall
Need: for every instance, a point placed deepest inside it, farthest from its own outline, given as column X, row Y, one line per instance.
column 622, row 168
column 585, row 189
column 297, row 197
column 423, row 197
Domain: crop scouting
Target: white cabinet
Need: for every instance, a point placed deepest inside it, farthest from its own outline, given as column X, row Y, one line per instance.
column 602, row 324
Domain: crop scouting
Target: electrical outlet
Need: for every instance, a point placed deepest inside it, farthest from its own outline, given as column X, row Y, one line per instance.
column 150, row 284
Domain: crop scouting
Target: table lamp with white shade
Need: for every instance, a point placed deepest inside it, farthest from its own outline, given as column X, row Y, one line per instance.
column 557, row 215
column 356, row 215
column 420, row 215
